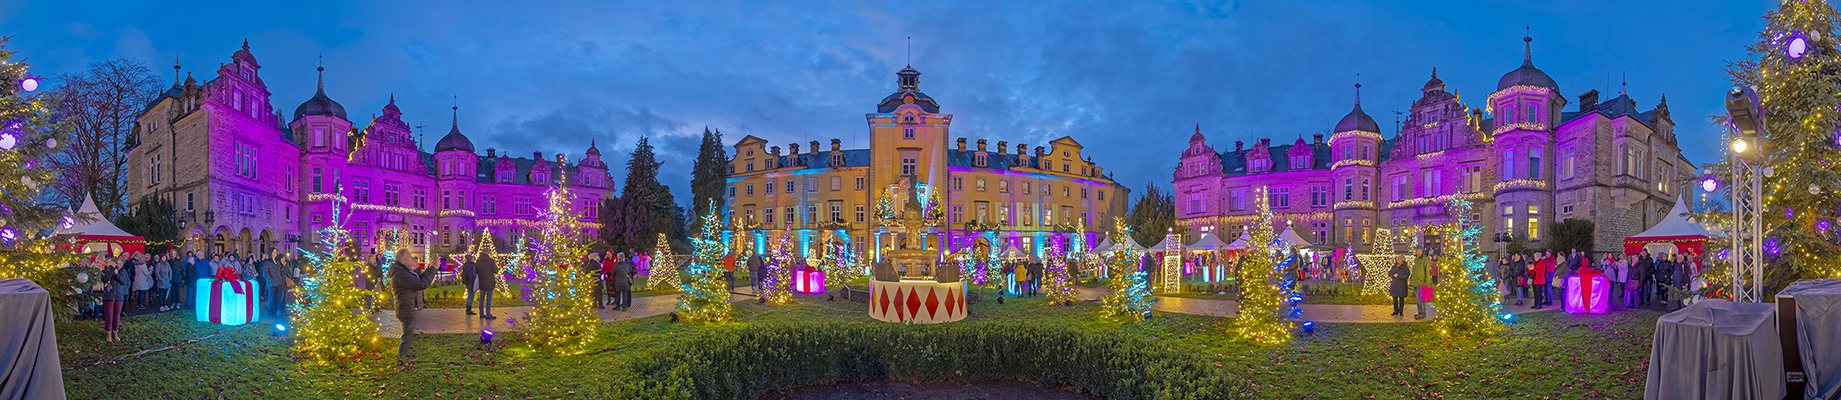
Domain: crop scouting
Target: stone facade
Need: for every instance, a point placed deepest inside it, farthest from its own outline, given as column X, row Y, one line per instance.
column 1523, row 159
column 243, row 181
column 1027, row 197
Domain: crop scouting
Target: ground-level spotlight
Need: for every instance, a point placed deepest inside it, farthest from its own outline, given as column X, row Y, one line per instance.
column 1509, row 318
column 485, row 336
column 281, row 329
column 1309, row 327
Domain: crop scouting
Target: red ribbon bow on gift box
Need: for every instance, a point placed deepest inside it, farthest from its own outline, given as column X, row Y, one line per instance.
column 227, row 274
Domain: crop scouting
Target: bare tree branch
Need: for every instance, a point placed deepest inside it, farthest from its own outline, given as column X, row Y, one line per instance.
column 101, row 105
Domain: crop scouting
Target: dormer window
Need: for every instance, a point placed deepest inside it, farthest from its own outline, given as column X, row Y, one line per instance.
column 837, row 159
column 908, row 118
column 1261, row 165
column 980, row 160
column 1300, row 162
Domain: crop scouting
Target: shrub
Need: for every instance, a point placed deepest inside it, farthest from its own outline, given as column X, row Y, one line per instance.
column 735, row 362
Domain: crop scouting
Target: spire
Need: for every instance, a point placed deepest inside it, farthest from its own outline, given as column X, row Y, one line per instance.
column 322, row 73
column 1624, row 85
column 1527, row 50
column 456, row 112
column 393, row 98
column 175, row 71
column 245, row 43
column 1358, row 90
column 1434, row 72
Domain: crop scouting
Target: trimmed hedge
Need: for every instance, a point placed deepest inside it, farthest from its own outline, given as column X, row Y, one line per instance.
column 745, row 362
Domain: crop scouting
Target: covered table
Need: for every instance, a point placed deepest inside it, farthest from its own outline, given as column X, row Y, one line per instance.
column 1818, row 325
column 1716, row 349
column 29, row 367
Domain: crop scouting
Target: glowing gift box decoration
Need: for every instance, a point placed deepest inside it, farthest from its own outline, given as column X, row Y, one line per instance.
column 227, row 299
column 805, row 281
column 1587, row 292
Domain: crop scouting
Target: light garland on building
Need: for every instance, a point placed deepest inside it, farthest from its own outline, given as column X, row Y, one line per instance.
column 1521, row 184
column 1266, row 312
column 560, row 293
column 330, row 333
column 706, row 297
column 1353, row 204
column 1467, row 301
column 1351, row 161
column 1129, row 299
column 1426, row 201
column 389, row 209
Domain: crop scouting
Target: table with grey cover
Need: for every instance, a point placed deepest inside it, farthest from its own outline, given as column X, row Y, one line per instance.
column 1716, row 349
column 1818, row 336
column 29, row 367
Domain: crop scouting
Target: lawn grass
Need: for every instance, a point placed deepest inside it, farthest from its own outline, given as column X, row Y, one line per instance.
column 1551, row 354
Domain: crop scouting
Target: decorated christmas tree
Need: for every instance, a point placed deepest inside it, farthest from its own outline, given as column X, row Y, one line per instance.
column 706, row 297
column 1466, row 298
column 1268, row 312
column 560, row 292
column 330, row 333
column 664, row 267
column 1793, row 73
column 1057, row 278
column 776, row 284
column 28, row 135
column 1129, row 299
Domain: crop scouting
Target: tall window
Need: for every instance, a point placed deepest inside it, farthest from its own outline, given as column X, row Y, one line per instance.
column 1348, row 151
column 391, row 195
column 1534, row 228
column 859, row 183
column 769, row 213
column 1365, row 189
column 1508, row 165
column 420, row 201
column 1279, row 197
column 979, row 184
column 908, row 165
column 837, row 211
column 1319, row 196
column 958, row 214
column 287, row 177
column 1003, row 186
column 1238, row 200
column 1534, row 162
column 791, row 185
column 1533, row 110
column 907, row 133
column 769, row 188
column 1400, row 190
column 837, row 184
column 811, row 214
column 1195, row 203
column 153, row 170
column 1566, row 163
column 1508, row 114
column 361, row 192
column 957, row 184
column 861, row 217
column 811, row 185
column 316, row 181
column 489, row 205
column 1348, row 189
column 1473, row 179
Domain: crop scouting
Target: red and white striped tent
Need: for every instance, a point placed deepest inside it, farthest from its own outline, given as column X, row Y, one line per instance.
column 1675, row 234
column 98, row 234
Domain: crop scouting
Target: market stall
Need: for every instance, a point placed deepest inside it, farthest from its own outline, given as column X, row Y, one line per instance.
column 98, row 234
column 1676, row 233
column 1208, row 258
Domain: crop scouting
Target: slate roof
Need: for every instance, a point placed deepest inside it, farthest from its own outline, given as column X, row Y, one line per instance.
column 1233, row 163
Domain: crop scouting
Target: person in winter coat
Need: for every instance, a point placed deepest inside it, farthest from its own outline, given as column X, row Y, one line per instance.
column 1420, row 279
column 181, row 279
column 1679, row 276
column 469, row 277
column 1615, row 270
column 756, row 268
column 119, row 280
column 1396, row 286
column 486, row 271
column 624, row 270
column 408, row 284
column 162, row 282
column 1538, row 273
column 1647, row 266
column 201, row 269
column 143, row 279
column 276, row 275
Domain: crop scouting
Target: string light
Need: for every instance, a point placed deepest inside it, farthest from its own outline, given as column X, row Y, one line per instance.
column 1466, row 299
column 560, row 293
column 706, row 297
column 1268, row 308
column 1129, row 298
column 776, row 284
column 664, row 270
column 1059, row 285
column 330, row 333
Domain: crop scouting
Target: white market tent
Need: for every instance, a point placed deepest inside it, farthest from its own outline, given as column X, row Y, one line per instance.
column 1290, row 239
column 1013, row 252
column 1126, row 245
column 1105, row 245
column 1169, row 243
column 1208, row 242
column 1245, row 241
column 1675, row 230
column 98, row 234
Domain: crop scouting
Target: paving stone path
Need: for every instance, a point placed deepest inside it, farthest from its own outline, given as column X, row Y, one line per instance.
column 456, row 320
column 1312, row 312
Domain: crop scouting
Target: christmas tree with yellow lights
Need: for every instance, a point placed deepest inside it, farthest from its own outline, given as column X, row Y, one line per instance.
column 776, row 285
column 664, row 266
column 1129, row 299
column 330, row 333
column 560, row 292
column 1267, row 313
column 706, row 297
column 29, row 135
column 1466, row 296
column 1793, row 73
column 1057, row 277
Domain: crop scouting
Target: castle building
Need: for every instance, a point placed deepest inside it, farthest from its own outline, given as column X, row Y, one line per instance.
column 1027, row 198
column 1525, row 161
column 244, row 179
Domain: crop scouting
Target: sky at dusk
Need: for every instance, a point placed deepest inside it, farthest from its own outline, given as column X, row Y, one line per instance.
column 1129, row 80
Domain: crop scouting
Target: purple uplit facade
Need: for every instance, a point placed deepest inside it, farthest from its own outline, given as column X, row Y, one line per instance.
column 1524, row 160
column 243, row 181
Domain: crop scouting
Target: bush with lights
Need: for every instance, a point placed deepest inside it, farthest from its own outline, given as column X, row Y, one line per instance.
column 1268, row 309
column 1795, row 57
column 1129, row 299
column 330, row 333
column 706, row 297
column 561, row 294
column 29, row 135
column 1466, row 296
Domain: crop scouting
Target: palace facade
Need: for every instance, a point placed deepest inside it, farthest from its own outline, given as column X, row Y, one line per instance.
column 245, row 179
column 1523, row 158
column 1025, row 197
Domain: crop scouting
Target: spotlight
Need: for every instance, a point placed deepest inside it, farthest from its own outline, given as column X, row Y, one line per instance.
column 485, row 336
column 1309, row 327
column 1509, row 318
column 281, row 329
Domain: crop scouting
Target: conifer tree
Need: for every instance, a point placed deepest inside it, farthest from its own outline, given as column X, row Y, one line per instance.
column 1793, row 73
column 1466, row 299
column 664, row 267
column 1130, row 290
column 559, row 292
column 709, row 175
column 330, row 333
column 28, row 137
column 1057, row 277
column 1267, row 313
column 706, row 297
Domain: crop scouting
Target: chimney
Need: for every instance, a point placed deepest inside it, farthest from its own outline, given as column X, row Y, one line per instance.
column 1041, row 151
column 794, row 147
column 1239, row 145
column 1318, row 137
column 961, row 144
column 774, row 150
column 490, row 152
column 836, row 144
column 1588, row 101
column 814, row 147
column 537, row 156
column 980, row 144
column 1002, row 146
column 1022, row 149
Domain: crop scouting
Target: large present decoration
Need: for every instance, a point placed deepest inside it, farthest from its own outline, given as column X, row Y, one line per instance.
column 809, row 281
column 226, row 298
column 1587, row 292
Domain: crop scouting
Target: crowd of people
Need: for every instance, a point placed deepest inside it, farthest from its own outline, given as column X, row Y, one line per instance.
column 1638, row 280
column 165, row 281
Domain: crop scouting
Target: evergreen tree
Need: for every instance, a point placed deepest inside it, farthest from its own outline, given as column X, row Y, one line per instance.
column 1267, row 312
column 559, row 292
column 1152, row 216
column 706, row 297
column 1793, row 71
column 1570, row 234
column 152, row 219
column 28, row 136
column 709, row 177
column 623, row 224
column 330, row 333
column 661, row 212
column 1466, row 298
column 1129, row 285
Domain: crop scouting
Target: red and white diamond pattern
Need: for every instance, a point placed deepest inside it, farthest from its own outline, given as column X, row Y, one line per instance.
column 917, row 302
